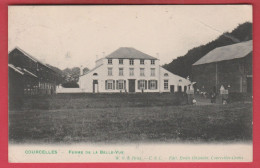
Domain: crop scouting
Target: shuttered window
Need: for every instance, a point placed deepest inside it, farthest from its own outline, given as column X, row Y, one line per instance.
column 142, row 84
column 120, row 84
column 110, row 85
column 152, row 84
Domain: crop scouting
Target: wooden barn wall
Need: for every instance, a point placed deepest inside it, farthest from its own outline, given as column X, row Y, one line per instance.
column 15, row 89
column 231, row 72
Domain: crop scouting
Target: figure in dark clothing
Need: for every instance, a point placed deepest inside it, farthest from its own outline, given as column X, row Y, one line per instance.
column 213, row 95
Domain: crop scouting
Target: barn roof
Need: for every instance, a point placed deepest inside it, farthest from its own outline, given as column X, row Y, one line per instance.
column 238, row 50
column 31, row 57
column 129, row 53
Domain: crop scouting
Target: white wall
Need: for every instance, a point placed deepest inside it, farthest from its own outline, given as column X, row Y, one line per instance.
column 172, row 80
column 86, row 81
column 60, row 89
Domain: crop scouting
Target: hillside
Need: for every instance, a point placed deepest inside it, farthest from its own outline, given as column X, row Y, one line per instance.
column 182, row 65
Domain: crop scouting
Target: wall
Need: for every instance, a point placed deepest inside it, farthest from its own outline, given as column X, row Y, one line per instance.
column 173, row 80
column 60, row 89
column 86, row 81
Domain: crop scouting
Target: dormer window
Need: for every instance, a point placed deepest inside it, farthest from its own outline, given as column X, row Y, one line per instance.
column 121, row 61
column 131, row 62
column 152, row 62
column 141, row 61
column 109, row 61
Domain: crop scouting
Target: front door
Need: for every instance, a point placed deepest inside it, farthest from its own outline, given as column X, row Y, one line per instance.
column 179, row 89
column 131, row 84
column 95, row 86
column 172, row 88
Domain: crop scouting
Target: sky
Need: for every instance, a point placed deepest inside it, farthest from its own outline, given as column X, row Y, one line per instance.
column 69, row 36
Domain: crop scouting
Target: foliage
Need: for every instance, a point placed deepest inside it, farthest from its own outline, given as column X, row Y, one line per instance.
column 69, row 76
column 183, row 64
column 70, row 84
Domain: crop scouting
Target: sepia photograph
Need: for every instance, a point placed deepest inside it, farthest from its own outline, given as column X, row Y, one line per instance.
column 130, row 83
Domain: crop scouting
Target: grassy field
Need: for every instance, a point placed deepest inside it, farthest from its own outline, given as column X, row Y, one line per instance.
column 128, row 118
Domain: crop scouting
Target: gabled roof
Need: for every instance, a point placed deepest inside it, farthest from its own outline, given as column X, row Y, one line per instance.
column 238, row 50
column 128, row 53
column 30, row 56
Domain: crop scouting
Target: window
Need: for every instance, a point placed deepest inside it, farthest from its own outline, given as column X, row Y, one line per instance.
column 120, row 84
column 142, row 84
column 131, row 62
column 121, row 71
column 166, row 87
column 152, row 71
column 152, row 84
column 109, row 84
column 110, row 72
column 141, row 71
column 152, row 62
column 95, row 74
column 109, row 61
column 141, row 61
column 166, row 74
column 131, row 71
column 121, row 61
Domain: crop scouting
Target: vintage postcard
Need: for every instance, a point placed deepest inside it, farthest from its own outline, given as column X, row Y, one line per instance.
column 130, row 83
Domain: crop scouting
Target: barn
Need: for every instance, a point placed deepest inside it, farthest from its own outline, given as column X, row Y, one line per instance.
column 230, row 66
column 28, row 76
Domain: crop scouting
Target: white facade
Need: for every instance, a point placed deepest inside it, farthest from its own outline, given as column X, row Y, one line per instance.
column 130, row 75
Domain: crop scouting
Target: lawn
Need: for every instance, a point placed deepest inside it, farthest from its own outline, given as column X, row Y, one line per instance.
column 127, row 118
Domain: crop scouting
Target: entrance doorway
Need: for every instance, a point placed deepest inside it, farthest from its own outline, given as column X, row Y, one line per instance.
column 95, row 86
column 172, row 89
column 131, row 85
column 179, row 89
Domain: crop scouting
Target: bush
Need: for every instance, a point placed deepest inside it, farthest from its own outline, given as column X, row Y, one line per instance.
column 72, row 84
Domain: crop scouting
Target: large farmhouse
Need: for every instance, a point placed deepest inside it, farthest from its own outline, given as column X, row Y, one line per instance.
column 130, row 70
column 230, row 66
